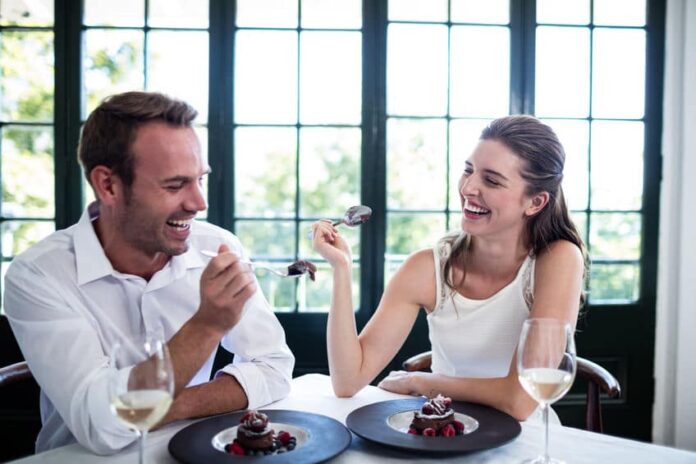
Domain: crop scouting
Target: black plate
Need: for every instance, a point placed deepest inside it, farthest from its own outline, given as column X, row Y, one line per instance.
column 327, row 438
column 495, row 427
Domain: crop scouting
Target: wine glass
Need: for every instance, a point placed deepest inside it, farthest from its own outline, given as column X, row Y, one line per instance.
column 546, row 367
column 146, row 398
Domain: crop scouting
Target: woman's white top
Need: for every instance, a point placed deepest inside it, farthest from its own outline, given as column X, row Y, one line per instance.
column 477, row 338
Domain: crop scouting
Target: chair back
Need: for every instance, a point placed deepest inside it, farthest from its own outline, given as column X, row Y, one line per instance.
column 20, row 419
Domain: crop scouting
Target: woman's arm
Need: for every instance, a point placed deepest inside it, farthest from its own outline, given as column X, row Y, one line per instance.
column 354, row 361
column 558, row 283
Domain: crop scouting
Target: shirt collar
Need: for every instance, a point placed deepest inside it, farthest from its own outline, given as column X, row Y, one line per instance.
column 92, row 263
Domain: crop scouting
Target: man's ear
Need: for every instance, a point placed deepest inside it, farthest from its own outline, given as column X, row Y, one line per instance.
column 539, row 201
column 107, row 186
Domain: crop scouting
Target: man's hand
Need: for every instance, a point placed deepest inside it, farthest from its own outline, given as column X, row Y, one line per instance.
column 226, row 285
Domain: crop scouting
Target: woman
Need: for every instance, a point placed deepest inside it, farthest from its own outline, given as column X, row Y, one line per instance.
column 518, row 255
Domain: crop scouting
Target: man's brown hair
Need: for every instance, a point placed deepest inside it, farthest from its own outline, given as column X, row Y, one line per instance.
column 108, row 135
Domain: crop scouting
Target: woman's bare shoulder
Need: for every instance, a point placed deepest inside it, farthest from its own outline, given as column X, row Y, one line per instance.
column 560, row 252
column 415, row 279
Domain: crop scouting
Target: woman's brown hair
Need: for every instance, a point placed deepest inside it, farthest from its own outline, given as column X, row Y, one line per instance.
column 537, row 145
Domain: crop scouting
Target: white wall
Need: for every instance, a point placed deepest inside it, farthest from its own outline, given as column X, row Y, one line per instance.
column 674, row 421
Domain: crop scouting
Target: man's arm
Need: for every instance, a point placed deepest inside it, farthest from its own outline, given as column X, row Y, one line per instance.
column 66, row 357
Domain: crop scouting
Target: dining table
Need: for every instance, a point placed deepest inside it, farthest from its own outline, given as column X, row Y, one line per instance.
column 313, row 393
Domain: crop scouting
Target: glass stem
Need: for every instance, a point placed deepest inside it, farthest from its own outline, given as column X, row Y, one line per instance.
column 545, row 411
column 141, row 454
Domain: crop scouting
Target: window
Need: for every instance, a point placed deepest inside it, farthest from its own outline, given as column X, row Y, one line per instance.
column 320, row 105
column 590, row 86
column 27, row 209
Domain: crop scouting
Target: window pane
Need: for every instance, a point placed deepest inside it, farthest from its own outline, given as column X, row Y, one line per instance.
column 316, row 296
column 575, row 138
column 27, row 171
column 615, row 236
column 464, row 136
column 415, row 152
column 268, row 240
column 408, row 232
column 178, row 13
column 617, row 154
column 329, row 171
column 26, row 67
column 113, row 64
column 331, row 83
column 265, row 171
column 17, row 236
column 110, row 13
column 417, row 10
column 328, row 14
column 25, row 13
column 614, row 283
column 280, row 293
column 480, row 11
column 476, row 93
column 619, row 12
column 172, row 57
column 266, row 77
column 618, row 73
column 562, row 85
column 580, row 221
column 417, row 70
column 267, row 13
column 563, row 11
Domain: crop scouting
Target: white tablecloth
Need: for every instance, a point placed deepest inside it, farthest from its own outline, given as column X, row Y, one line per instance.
column 313, row 393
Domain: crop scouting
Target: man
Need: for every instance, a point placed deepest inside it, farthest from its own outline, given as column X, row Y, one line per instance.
column 132, row 267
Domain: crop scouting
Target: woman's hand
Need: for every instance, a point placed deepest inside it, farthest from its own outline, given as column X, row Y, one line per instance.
column 401, row 382
column 330, row 244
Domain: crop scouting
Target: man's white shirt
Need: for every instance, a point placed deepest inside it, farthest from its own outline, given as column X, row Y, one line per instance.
column 68, row 307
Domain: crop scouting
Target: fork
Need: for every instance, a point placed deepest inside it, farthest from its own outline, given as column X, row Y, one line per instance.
column 254, row 265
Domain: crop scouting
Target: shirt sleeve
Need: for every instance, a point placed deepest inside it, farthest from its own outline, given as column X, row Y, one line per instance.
column 263, row 362
column 67, row 360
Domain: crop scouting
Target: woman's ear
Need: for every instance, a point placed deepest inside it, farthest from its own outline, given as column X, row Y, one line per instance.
column 539, row 201
column 104, row 183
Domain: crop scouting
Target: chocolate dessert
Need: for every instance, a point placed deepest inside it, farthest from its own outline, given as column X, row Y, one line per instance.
column 302, row 267
column 256, row 438
column 436, row 417
column 253, row 433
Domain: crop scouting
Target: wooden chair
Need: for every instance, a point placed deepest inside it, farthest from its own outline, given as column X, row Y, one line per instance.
column 598, row 380
column 15, row 373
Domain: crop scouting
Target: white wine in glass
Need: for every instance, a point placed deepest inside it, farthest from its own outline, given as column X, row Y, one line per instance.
column 546, row 365
column 150, row 390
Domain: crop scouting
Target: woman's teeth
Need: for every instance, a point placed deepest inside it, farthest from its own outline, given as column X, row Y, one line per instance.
column 476, row 209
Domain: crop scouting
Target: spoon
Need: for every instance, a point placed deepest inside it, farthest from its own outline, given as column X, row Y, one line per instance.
column 355, row 215
column 296, row 269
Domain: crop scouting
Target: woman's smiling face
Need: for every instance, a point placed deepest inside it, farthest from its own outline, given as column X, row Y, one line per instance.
column 493, row 192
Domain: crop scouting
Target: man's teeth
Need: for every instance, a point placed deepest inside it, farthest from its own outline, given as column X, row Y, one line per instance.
column 181, row 224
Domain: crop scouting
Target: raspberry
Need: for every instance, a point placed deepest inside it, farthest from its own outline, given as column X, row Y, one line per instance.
column 236, row 448
column 427, row 409
column 429, row 432
column 284, row 437
column 448, row 431
column 246, row 416
column 458, row 426
column 448, row 402
column 412, row 431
